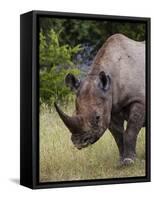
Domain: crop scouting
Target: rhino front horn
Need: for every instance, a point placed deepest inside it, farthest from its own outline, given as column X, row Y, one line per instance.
column 72, row 123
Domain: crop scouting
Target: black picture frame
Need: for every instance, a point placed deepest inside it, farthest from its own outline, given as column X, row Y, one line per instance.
column 29, row 100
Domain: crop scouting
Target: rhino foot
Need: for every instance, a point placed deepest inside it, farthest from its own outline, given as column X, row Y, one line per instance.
column 127, row 161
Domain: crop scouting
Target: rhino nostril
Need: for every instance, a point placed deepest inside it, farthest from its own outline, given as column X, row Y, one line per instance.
column 95, row 120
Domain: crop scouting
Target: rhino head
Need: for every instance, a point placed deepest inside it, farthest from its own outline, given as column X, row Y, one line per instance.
column 93, row 108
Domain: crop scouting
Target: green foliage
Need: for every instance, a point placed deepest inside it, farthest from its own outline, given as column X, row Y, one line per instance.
column 55, row 63
column 52, row 87
column 94, row 32
column 52, row 53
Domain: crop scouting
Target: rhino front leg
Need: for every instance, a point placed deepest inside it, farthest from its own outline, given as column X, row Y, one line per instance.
column 134, row 124
column 117, row 130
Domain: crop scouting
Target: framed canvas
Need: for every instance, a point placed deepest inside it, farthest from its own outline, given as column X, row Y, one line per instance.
column 85, row 99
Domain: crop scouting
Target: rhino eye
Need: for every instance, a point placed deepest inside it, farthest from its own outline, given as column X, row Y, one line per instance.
column 97, row 118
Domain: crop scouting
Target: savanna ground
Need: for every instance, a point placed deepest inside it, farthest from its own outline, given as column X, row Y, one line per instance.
column 61, row 161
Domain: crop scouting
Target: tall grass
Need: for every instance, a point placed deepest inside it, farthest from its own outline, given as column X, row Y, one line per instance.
column 61, row 161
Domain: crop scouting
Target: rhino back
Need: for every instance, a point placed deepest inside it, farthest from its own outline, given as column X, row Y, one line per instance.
column 124, row 60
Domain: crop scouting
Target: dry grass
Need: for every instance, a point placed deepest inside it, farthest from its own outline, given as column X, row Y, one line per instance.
column 60, row 160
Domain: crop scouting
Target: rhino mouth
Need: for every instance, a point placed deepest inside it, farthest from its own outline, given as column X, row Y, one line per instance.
column 82, row 146
column 86, row 142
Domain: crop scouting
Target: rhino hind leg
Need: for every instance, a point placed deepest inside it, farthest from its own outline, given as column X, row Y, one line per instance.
column 134, row 124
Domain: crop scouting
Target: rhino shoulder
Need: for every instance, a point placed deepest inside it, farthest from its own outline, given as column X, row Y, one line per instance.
column 121, row 39
column 116, row 37
column 109, row 47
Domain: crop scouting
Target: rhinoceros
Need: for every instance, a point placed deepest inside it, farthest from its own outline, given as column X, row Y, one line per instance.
column 112, row 92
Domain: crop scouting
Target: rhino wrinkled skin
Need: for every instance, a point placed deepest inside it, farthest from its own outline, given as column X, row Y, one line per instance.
column 112, row 92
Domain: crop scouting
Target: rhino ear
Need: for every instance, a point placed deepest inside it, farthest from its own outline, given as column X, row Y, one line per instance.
column 72, row 82
column 105, row 81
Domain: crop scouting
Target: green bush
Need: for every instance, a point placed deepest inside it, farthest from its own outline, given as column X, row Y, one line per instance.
column 55, row 62
column 93, row 32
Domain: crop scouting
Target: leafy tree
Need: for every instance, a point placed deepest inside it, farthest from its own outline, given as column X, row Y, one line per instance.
column 55, row 62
